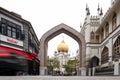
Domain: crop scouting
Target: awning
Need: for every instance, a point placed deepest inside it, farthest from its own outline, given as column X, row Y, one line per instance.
column 4, row 55
column 7, row 49
column 14, row 51
column 27, row 55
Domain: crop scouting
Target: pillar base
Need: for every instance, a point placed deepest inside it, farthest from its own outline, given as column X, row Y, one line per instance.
column 89, row 72
column 43, row 71
column 83, row 71
column 116, row 69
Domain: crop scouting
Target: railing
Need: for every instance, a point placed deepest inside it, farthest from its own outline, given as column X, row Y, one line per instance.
column 109, row 70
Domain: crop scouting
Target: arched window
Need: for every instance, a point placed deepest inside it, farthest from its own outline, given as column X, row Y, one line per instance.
column 116, row 49
column 97, row 38
column 102, row 34
column 92, row 36
column 114, row 21
column 106, row 29
column 104, row 56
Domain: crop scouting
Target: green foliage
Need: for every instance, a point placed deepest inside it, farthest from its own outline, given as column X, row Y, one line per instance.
column 52, row 63
column 70, row 67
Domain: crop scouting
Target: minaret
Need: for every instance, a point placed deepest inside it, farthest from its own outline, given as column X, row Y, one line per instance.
column 101, row 14
column 86, row 25
column 98, row 10
column 112, row 2
column 87, row 10
column 87, row 19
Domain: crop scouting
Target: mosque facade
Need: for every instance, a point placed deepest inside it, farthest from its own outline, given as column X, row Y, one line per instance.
column 62, row 54
column 102, row 35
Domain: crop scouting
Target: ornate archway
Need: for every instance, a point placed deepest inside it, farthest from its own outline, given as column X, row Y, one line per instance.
column 62, row 28
column 105, row 55
column 116, row 49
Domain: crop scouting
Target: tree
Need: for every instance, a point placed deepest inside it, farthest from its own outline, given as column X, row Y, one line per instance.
column 70, row 67
column 51, row 64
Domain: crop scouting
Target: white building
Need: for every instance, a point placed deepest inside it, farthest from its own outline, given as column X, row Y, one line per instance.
column 62, row 54
column 102, row 35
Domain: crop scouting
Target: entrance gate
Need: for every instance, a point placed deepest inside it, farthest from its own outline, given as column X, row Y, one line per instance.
column 61, row 28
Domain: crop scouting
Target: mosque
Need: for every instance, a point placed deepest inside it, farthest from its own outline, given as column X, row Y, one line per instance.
column 102, row 35
column 62, row 54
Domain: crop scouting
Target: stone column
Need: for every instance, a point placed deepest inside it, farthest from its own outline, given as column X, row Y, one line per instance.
column 83, row 71
column 116, row 68
column 110, row 49
column 99, row 56
column 79, row 71
column 89, row 71
column 93, row 72
column 43, row 70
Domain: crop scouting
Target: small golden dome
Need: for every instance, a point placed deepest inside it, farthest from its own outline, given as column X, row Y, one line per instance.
column 63, row 46
column 65, row 53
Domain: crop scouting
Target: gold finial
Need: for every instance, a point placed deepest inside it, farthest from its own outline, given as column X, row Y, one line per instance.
column 62, row 39
column 80, row 25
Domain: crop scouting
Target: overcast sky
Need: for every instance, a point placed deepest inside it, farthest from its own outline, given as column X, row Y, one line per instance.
column 45, row 14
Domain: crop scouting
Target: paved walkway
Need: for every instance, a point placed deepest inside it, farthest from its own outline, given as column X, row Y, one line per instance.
column 59, row 78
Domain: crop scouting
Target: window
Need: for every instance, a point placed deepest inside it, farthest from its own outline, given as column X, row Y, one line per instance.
column 104, row 56
column 11, row 29
column 3, row 29
column 107, row 29
column 116, row 49
column 14, row 32
column 97, row 38
column 102, row 34
column 18, row 31
column 114, row 20
column 92, row 36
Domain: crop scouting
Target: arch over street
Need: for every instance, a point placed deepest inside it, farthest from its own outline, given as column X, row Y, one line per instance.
column 61, row 28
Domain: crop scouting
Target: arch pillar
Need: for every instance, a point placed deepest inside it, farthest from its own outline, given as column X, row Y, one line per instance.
column 62, row 28
column 110, row 49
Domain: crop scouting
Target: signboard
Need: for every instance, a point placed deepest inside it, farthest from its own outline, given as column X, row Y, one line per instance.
column 11, row 40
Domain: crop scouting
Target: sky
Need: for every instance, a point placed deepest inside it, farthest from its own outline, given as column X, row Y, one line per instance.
column 46, row 14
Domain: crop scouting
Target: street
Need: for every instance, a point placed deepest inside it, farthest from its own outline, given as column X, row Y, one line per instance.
column 59, row 78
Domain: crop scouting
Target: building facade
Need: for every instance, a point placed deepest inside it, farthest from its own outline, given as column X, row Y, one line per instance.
column 102, row 35
column 18, row 40
column 62, row 55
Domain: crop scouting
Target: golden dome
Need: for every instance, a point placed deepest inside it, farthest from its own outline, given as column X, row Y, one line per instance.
column 63, row 46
